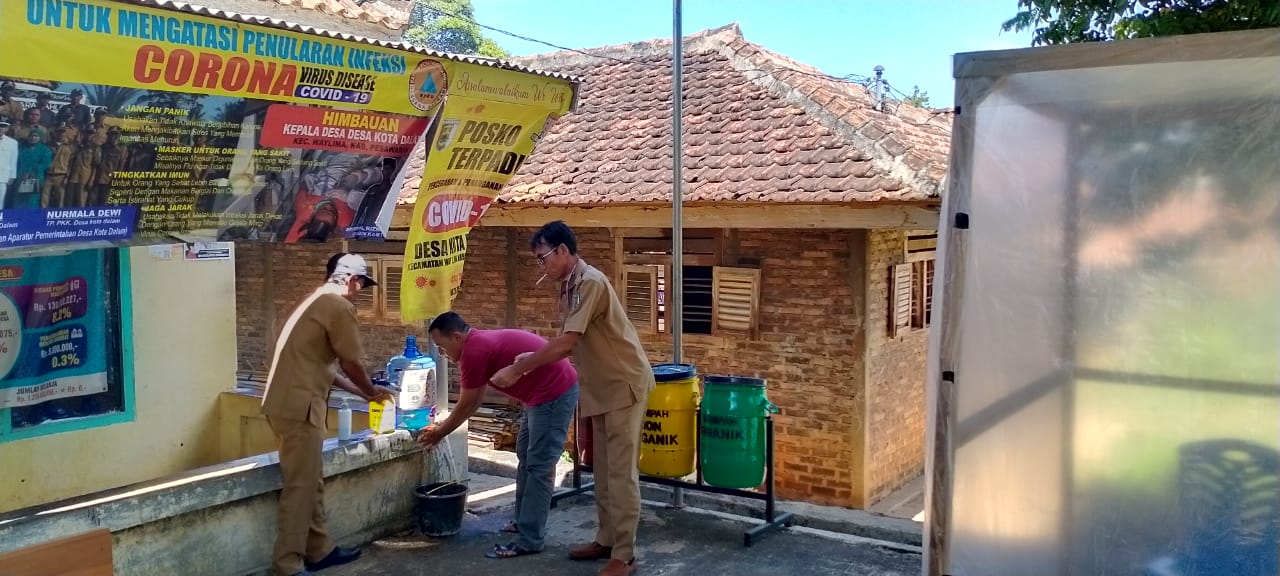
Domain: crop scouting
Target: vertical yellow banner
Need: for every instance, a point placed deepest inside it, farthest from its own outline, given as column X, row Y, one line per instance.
column 474, row 148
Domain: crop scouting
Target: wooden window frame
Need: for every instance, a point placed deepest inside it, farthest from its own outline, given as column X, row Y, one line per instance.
column 735, row 291
column 645, row 264
column 386, row 262
column 378, row 305
column 911, row 284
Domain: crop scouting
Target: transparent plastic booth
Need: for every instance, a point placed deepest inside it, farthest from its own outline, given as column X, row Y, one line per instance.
column 1105, row 378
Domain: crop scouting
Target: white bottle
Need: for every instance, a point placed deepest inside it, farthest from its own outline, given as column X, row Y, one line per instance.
column 344, row 421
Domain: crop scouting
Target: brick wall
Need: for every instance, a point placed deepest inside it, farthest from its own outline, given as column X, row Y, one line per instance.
column 255, row 337
column 896, row 370
column 266, row 295
column 810, row 347
column 808, row 350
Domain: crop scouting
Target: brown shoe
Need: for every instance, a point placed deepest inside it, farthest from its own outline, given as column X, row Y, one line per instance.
column 592, row 551
column 619, row 568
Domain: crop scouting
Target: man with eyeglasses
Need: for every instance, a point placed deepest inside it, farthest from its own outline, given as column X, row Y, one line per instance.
column 615, row 382
column 320, row 337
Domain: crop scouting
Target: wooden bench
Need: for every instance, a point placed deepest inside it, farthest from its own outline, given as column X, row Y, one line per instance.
column 87, row 554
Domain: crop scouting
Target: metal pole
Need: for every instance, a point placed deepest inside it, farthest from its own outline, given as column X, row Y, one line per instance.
column 675, row 284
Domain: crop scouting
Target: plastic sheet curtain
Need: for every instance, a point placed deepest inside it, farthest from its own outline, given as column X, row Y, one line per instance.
column 1105, row 384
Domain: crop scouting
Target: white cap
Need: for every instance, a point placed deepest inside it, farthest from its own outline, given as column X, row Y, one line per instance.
column 355, row 265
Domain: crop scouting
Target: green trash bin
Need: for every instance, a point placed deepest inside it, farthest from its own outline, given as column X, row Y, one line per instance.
column 732, row 422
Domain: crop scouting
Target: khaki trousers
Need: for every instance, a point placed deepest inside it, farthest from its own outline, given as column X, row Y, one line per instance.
column 55, row 188
column 615, row 455
column 300, row 526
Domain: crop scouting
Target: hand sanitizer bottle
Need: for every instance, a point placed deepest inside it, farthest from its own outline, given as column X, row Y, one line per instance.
column 344, row 421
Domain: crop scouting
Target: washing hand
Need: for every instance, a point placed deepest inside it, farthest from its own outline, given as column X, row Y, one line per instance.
column 430, row 436
column 380, row 394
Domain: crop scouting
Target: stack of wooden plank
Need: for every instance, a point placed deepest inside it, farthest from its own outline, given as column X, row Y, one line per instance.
column 495, row 425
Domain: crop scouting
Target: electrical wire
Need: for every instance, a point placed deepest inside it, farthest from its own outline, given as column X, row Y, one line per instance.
column 858, row 79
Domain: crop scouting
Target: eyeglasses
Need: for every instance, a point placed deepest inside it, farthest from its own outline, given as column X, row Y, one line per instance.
column 542, row 258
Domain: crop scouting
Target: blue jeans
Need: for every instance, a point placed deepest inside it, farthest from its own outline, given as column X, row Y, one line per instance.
column 543, row 431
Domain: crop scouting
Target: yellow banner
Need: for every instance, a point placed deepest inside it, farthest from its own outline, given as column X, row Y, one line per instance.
column 208, row 127
column 473, row 149
column 117, row 44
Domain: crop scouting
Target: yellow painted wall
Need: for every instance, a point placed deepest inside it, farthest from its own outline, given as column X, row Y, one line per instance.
column 243, row 430
column 184, row 343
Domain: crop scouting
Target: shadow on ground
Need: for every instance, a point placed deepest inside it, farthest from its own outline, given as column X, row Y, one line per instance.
column 672, row 542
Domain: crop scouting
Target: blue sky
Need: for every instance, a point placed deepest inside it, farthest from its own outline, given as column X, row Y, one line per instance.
column 913, row 39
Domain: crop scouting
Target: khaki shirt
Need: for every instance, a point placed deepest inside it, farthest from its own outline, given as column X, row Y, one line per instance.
column 14, row 110
column 613, row 368
column 111, row 158
column 86, row 160
column 100, row 133
column 321, row 330
column 63, row 155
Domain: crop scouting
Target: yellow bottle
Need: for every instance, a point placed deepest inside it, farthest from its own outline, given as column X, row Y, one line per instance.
column 382, row 416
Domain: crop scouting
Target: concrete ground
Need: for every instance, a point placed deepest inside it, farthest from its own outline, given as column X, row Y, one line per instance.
column 672, row 542
column 874, row 524
column 906, row 502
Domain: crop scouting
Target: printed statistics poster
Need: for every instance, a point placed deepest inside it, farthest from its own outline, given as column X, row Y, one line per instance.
column 138, row 124
column 53, row 326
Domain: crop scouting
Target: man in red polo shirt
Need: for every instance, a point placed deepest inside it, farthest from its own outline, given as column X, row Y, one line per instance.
column 549, row 395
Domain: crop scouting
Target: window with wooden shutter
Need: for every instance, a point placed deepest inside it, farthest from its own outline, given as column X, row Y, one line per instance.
column 368, row 301
column 699, row 299
column 641, row 281
column 391, row 271
column 922, row 294
column 647, row 277
column 920, row 245
column 736, row 304
column 900, row 299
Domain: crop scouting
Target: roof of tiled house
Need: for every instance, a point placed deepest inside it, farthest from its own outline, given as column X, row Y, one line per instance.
column 758, row 127
column 184, row 7
column 394, row 14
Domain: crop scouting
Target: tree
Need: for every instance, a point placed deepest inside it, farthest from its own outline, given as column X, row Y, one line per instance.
column 917, row 98
column 113, row 98
column 1067, row 21
column 449, row 26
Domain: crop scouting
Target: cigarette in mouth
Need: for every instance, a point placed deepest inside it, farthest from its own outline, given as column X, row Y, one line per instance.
column 544, row 277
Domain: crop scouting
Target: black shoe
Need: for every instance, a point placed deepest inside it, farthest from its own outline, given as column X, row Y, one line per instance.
column 338, row 557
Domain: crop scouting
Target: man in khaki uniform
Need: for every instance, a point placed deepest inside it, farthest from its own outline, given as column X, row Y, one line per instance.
column 8, row 106
column 47, row 116
column 321, row 332
column 80, row 181
column 111, row 157
column 100, row 127
column 66, row 139
column 615, row 382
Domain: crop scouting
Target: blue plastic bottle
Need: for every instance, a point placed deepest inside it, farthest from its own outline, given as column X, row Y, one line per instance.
column 417, row 401
column 397, row 364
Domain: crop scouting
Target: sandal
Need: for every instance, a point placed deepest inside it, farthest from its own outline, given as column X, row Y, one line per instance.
column 504, row 551
column 510, row 528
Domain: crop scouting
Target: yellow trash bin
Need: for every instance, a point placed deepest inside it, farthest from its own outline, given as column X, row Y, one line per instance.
column 669, row 435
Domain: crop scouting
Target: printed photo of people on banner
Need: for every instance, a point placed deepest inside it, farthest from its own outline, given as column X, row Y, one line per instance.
column 114, row 163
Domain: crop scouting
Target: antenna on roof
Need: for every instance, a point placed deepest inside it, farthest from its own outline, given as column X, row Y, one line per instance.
column 879, row 88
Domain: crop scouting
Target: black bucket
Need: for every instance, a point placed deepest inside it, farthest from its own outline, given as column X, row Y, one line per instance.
column 439, row 507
